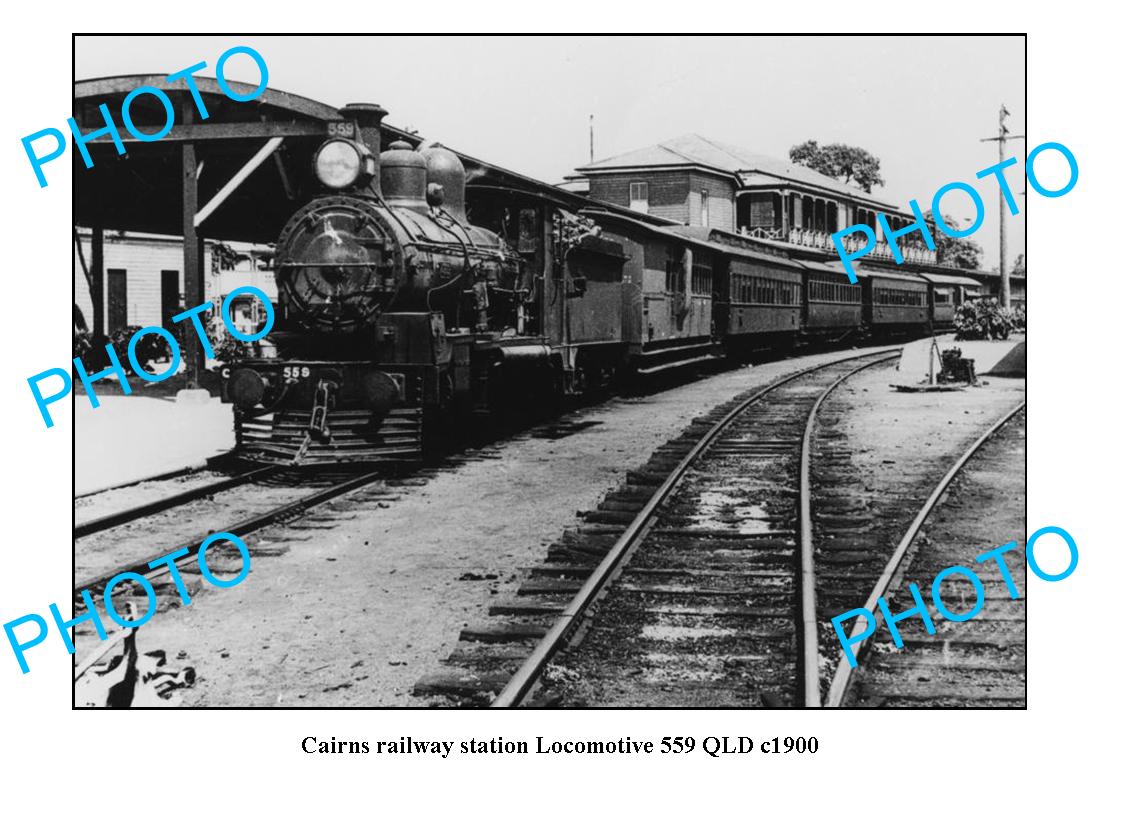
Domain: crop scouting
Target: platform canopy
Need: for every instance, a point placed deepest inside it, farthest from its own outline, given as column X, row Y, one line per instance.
column 143, row 191
column 251, row 163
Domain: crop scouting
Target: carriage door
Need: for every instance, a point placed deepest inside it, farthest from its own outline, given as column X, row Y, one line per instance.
column 678, row 286
column 721, row 290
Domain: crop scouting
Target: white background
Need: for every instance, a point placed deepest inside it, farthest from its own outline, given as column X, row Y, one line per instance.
column 1059, row 754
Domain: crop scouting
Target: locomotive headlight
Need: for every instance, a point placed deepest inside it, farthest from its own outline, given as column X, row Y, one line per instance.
column 340, row 163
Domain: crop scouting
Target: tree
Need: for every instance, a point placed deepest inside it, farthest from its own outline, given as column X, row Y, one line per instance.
column 962, row 253
column 850, row 164
column 1020, row 265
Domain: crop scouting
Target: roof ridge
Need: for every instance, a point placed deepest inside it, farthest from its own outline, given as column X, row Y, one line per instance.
column 681, row 155
column 722, row 148
column 788, row 162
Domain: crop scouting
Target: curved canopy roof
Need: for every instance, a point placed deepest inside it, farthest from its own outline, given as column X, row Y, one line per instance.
column 142, row 190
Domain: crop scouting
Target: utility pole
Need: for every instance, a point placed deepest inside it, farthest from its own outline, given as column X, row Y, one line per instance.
column 591, row 160
column 1003, row 137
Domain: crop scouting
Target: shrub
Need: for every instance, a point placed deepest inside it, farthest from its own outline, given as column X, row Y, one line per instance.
column 983, row 319
column 1020, row 318
column 82, row 344
column 149, row 348
column 152, row 347
column 229, row 350
column 91, row 350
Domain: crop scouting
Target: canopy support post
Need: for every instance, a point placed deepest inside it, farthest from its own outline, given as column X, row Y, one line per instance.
column 97, row 279
column 192, row 273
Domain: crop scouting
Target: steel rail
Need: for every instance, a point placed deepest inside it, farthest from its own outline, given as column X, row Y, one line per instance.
column 151, row 508
column 844, row 674
column 526, row 677
column 809, row 615
column 210, row 463
column 250, row 525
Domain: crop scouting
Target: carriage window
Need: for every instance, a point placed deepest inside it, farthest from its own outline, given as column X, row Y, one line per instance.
column 702, row 280
column 901, row 297
column 829, row 292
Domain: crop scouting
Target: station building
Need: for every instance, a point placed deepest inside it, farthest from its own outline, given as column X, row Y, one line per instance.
column 991, row 281
column 144, row 283
column 702, row 182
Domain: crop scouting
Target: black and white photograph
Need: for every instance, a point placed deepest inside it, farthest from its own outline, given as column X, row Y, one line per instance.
column 603, row 408
column 554, row 372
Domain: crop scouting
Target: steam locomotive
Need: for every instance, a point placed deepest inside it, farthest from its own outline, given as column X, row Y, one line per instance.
column 400, row 315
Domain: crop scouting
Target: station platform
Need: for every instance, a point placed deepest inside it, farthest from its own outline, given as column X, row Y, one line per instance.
column 987, row 354
column 137, row 437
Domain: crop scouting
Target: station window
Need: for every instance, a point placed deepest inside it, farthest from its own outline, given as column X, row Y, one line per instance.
column 705, row 206
column 637, row 196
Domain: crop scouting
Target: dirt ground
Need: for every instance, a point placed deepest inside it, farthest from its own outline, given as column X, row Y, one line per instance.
column 891, row 448
column 878, row 452
column 354, row 615
column 980, row 662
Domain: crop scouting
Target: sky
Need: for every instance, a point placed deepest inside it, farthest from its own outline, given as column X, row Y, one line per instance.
column 920, row 104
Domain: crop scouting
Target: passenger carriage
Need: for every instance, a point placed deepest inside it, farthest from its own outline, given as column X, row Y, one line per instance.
column 763, row 301
column 893, row 303
column 667, row 296
column 947, row 293
column 833, row 305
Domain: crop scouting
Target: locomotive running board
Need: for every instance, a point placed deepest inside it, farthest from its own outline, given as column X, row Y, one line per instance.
column 651, row 362
column 678, row 364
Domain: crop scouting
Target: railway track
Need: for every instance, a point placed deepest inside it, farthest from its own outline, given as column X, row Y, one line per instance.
column 753, row 537
column 980, row 662
column 270, row 508
column 722, row 575
column 281, row 513
column 319, row 507
column 146, row 509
